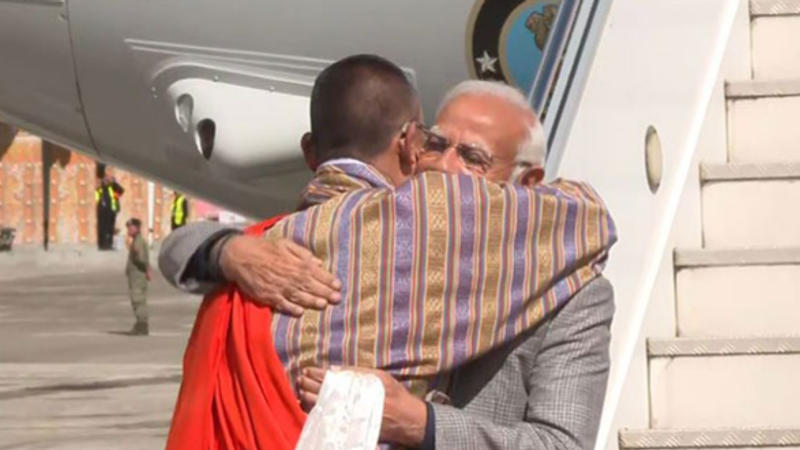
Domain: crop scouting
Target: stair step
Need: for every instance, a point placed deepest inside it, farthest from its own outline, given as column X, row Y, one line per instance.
column 762, row 116
column 775, row 50
column 736, row 257
column 774, row 7
column 762, row 88
column 675, row 347
column 743, row 300
column 751, row 205
column 750, row 171
column 710, row 439
column 725, row 382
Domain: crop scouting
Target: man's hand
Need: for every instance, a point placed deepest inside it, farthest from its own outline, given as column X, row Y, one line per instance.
column 148, row 275
column 280, row 274
column 404, row 416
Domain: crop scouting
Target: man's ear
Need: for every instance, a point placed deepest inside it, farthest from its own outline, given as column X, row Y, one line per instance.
column 307, row 144
column 407, row 151
column 532, row 176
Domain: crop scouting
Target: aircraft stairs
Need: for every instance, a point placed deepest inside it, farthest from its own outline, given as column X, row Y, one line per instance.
column 731, row 376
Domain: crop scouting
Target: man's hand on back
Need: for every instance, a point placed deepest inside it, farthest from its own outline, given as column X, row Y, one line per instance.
column 280, row 274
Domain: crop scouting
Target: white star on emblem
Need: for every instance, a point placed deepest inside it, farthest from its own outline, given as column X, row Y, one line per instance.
column 487, row 63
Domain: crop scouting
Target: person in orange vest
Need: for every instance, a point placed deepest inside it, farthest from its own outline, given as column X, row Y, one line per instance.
column 106, row 197
column 180, row 210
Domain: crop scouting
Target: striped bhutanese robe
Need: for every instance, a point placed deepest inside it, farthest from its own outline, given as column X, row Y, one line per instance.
column 437, row 271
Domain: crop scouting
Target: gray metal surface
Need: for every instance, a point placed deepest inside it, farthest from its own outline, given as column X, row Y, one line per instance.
column 95, row 76
column 38, row 87
column 774, row 7
column 685, row 258
column 104, row 62
column 734, row 438
column 757, row 88
column 749, row 171
column 722, row 346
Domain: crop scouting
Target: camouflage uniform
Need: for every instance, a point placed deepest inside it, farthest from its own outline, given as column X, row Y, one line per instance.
column 136, row 271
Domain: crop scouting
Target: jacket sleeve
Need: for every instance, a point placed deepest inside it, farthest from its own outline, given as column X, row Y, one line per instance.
column 184, row 244
column 567, row 385
column 118, row 188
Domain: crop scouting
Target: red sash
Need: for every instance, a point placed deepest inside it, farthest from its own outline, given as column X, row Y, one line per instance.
column 234, row 393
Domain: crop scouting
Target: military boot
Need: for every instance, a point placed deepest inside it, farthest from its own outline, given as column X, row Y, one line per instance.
column 141, row 328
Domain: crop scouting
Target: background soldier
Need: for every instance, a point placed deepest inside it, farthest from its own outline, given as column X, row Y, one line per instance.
column 138, row 273
column 107, row 198
column 180, row 210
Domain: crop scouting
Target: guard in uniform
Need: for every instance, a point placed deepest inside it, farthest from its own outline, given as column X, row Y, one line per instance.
column 138, row 273
column 180, row 210
column 107, row 199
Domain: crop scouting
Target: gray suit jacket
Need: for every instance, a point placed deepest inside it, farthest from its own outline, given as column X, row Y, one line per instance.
column 545, row 390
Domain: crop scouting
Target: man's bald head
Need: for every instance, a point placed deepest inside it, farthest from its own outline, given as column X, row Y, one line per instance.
column 357, row 105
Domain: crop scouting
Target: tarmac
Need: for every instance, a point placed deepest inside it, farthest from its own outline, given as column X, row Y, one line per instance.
column 70, row 378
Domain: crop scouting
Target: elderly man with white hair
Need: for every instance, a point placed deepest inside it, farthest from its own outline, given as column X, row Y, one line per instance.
column 486, row 115
column 543, row 390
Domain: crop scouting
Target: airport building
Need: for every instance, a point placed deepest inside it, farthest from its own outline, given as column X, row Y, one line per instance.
column 65, row 212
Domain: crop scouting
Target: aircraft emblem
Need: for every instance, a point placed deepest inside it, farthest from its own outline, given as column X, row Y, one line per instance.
column 505, row 39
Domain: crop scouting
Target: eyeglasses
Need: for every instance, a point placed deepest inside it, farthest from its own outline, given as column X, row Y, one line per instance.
column 473, row 156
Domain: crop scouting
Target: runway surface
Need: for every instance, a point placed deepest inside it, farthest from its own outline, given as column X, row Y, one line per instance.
column 69, row 376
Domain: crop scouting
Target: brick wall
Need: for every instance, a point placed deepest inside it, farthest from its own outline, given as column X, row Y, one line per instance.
column 72, row 185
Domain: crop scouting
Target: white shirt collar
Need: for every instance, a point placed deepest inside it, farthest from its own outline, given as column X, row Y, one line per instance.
column 344, row 161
